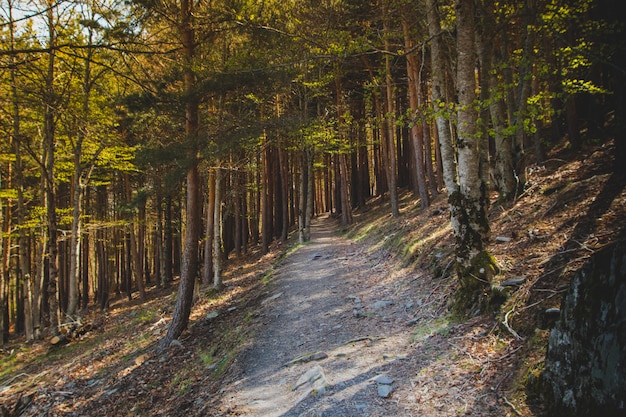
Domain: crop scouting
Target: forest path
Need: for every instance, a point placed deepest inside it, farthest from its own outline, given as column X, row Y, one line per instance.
column 328, row 298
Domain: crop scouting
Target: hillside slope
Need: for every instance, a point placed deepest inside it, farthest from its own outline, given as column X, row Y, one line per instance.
column 571, row 207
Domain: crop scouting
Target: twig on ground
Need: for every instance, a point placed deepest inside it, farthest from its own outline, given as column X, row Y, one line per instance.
column 510, row 404
column 8, row 381
column 509, row 328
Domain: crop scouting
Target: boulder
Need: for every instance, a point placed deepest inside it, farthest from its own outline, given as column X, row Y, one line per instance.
column 585, row 366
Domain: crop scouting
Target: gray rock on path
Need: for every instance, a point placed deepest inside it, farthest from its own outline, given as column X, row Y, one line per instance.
column 309, row 357
column 384, row 391
column 381, row 304
column 312, row 381
column 272, row 298
column 384, row 385
column 382, row 379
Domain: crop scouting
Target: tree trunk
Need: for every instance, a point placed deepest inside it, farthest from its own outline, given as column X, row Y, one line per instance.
column 302, row 200
column 346, row 212
column 439, row 102
column 266, row 229
column 5, row 245
column 48, row 175
column 207, row 270
column 418, row 143
column 310, row 191
column 217, row 231
column 31, row 323
column 167, row 247
column 189, row 267
column 475, row 266
column 390, row 120
column 284, row 183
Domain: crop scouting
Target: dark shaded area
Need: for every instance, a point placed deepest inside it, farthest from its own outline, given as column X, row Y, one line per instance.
column 584, row 373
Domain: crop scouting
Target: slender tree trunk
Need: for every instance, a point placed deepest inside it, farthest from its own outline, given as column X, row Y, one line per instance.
column 75, row 236
column 189, row 267
column 207, row 271
column 302, row 200
column 168, row 243
column 236, row 191
column 31, row 323
column 439, row 102
column 103, row 278
column 49, row 173
column 284, row 183
column 217, row 231
column 390, row 120
column 346, row 212
column 475, row 267
column 5, row 245
column 310, row 193
column 266, row 229
column 418, row 143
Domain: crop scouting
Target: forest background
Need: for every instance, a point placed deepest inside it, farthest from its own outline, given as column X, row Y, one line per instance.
column 148, row 140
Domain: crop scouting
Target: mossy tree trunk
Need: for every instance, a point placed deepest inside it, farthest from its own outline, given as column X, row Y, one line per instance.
column 469, row 205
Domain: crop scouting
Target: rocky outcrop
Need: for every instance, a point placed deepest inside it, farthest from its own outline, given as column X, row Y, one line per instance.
column 585, row 367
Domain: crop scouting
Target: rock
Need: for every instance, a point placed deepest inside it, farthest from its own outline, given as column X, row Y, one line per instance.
column 381, row 304
column 384, row 391
column 312, row 381
column 513, row 282
column 176, row 343
column 272, row 298
column 584, row 373
column 309, row 357
column 382, row 379
column 503, row 239
column 212, row 315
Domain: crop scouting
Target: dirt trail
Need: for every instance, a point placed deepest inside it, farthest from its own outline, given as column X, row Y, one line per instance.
column 321, row 302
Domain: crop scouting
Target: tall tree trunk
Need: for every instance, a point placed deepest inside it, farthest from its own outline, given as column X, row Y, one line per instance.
column 310, row 191
column 5, row 248
column 207, row 270
column 439, row 93
column 418, row 143
column 475, row 267
column 504, row 171
column 284, row 184
column 346, row 212
column 390, row 122
column 266, row 209
column 189, row 267
column 302, row 200
column 103, row 278
column 49, row 173
column 31, row 323
column 217, row 231
column 168, row 242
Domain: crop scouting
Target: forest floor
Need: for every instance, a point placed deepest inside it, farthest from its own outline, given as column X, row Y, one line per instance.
column 354, row 323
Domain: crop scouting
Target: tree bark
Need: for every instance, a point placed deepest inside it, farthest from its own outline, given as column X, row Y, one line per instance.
column 390, row 122
column 48, row 175
column 475, row 266
column 416, row 137
column 207, row 271
column 189, row 267
column 439, row 102
column 217, row 231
